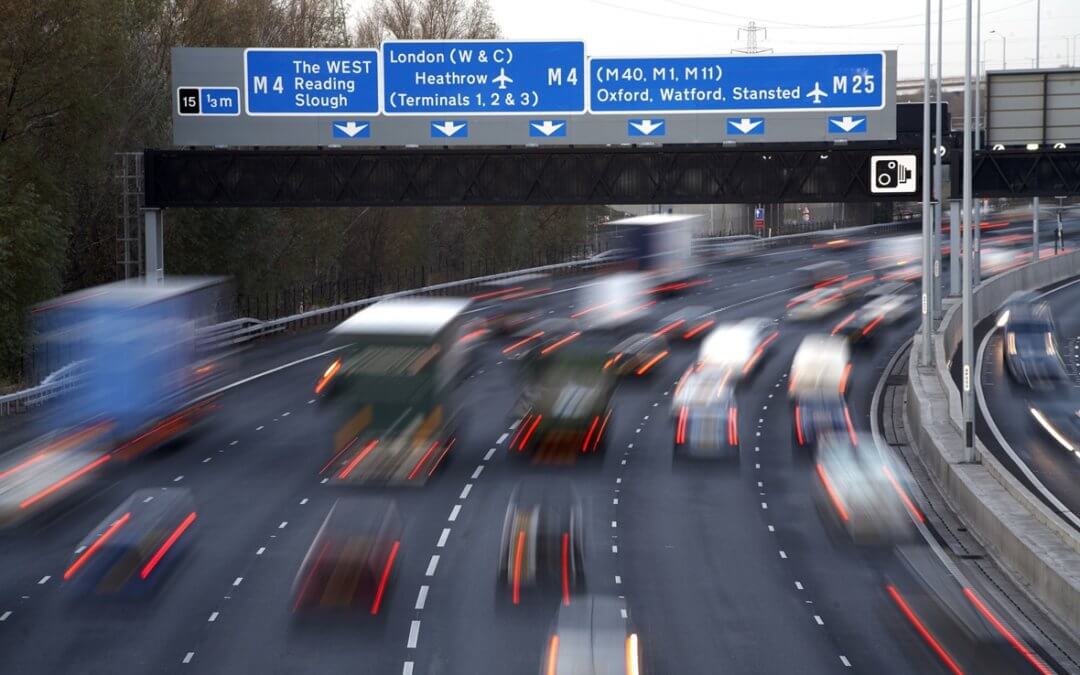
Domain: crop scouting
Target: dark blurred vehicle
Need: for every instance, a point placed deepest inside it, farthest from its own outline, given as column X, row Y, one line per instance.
column 546, row 335
column 565, row 404
column 512, row 301
column 1060, row 419
column 541, row 553
column 824, row 273
column 350, row 563
column 1030, row 347
column 148, row 369
column 738, row 347
column 881, row 311
column 863, row 494
column 705, row 413
column 130, row 551
column 590, row 637
column 687, row 324
column 394, row 396
column 36, row 475
column 816, row 385
column 637, row 355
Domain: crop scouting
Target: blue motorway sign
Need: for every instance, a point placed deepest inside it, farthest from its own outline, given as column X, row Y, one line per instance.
column 737, row 83
column 480, row 77
column 208, row 101
column 289, row 82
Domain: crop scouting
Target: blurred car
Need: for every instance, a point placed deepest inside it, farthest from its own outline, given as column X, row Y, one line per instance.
column 862, row 493
column 824, row 273
column 880, row 311
column 614, row 301
column 565, row 404
column 590, row 637
column 995, row 260
column 816, row 385
column 816, row 303
column 738, row 347
column 544, row 336
column 541, row 553
column 1030, row 349
column 43, row 472
column 705, row 413
column 511, row 301
column 350, row 563
column 637, row 354
column 688, row 323
column 130, row 551
column 1061, row 420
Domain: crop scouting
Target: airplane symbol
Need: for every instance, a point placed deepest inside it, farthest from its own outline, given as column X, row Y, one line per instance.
column 502, row 79
column 816, row 93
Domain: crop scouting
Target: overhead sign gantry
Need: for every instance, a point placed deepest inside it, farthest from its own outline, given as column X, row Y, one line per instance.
column 517, row 93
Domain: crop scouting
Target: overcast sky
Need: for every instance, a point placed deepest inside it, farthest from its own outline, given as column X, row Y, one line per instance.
column 677, row 27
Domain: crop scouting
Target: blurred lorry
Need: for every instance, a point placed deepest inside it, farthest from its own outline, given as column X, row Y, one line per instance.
column 391, row 390
column 140, row 376
column 658, row 246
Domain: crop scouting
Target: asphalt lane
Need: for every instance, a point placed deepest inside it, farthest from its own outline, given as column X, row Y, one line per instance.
column 689, row 548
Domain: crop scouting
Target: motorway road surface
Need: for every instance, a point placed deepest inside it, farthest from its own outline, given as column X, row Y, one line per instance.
column 721, row 568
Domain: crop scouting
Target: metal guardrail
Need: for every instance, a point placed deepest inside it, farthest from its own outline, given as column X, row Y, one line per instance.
column 246, row 329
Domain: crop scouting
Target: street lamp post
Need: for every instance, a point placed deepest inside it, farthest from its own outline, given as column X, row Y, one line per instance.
column 927, row 352
column 997, row 34
column 966, row 309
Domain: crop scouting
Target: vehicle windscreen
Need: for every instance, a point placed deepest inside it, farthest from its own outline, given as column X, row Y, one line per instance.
column 1030, row 337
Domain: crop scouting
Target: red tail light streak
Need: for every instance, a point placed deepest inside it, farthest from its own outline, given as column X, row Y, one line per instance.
column 850, row 426
column 496, row 294
column 582, row 312
column 93, row 548
column 680, row 427
column 834, row 496
column 470, row 336
column 555, row 345
column 733, row 426
column 698, row 328
column 844, row 322
column 831, row 281
column 22, row 465
column 651, row 362
column 529, row 433
column 798, row 427
column 438, row 461
column 66, row 480
column 927, row 637
column 873, row 324
column 912, row 509
column 844, row 379
column 1031, row 658
column 522, row 342
column 327, row 376
column 519, row 553
column 423, row 459
column 552, row 656
column 344, row 473
column 670, row 327
column 169, row 543
column 385, row 578
column 759, row 351
column 588, row 436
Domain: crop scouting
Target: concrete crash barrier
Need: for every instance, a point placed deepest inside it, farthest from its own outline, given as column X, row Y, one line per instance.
column 1031, row 541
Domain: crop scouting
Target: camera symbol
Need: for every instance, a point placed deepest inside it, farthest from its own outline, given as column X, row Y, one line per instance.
column 890, row 174
column 894, row 173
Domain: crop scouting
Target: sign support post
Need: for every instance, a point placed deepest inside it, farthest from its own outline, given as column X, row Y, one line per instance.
column 968, row 337
column 153, row 221
column 926, row 355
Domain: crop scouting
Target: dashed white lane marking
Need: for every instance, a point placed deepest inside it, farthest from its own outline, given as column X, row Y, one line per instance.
column 465, row 491
column 234, row 443
column 759, row 484
column 489, row 454
column 615, row 501
column 262, row 549
column 618, row 480
column 286, row 413
column 614, row 524
column 760, row 420
column 783, row 555
column 238, row 581
column 207, row 460
column 623, row 612
column 259, row 428
column 213, row 617
column 476, row 474
column 647, row 417
column 178, row 478
column 818, row 620
column 618, row 579
column 623, row 462
column 758, row 433
column 772, row 529
column 421, row 597
column 431, row 566
column 414, row 634
column 188, row 657
column 303, row 501
column 5, row 615
column 614, row 548
column 515, row 425
column 148, row 500
column 44, row 580
column 770, row 395
column 757, row 466
column 454, row 512
column 443, row 537
column 764, row 505
column 630, row 445
column 501, row 439
column 310, row 401
column 324, row 481
column 843, row 660
column 655, row 404
column 407, row 670
column 282, row 525
column 637, row 431
column 798, row 585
